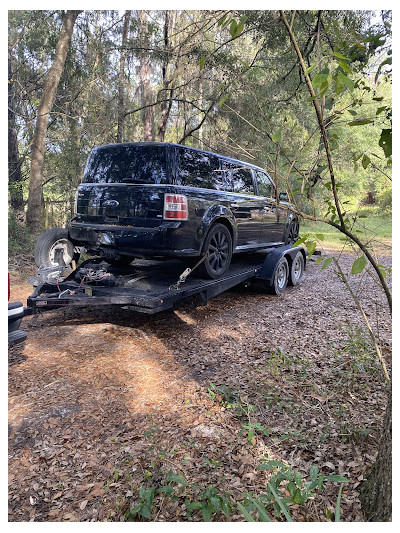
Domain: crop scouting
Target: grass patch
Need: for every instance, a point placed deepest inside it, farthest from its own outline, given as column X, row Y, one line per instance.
column 371, row 226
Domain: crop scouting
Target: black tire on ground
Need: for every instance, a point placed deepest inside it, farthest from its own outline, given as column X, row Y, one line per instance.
column 218, row 245
column 292, row 233
column 296, row 269
column 50, row 243
column 281, row 277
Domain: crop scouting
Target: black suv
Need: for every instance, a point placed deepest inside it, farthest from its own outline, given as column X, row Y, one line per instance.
column 166, row 200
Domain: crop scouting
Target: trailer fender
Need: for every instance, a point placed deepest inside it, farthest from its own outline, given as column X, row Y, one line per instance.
column 272, row 260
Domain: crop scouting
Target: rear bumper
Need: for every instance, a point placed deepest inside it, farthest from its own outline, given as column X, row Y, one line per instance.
column 169, row 239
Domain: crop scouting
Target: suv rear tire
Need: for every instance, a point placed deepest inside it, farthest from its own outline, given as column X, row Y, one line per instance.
column 218, row 245
column 292, row 233
column 47, row 245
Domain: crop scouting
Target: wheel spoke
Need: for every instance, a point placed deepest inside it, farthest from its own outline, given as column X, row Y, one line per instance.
column 212, row 261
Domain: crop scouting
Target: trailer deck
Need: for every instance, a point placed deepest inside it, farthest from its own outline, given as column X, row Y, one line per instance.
column 147, row 286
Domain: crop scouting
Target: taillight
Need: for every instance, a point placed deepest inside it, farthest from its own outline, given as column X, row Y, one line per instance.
column 175, row 207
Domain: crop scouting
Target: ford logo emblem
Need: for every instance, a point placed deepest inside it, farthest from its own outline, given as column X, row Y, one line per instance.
column 111, row 203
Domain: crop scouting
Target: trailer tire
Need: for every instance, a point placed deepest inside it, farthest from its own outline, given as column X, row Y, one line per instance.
column 296, row 269
column 218, row 244
column 280, row 278
column 52, row 240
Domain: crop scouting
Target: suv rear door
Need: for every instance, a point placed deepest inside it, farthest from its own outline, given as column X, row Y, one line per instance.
column 245, row 205
column 272, row 226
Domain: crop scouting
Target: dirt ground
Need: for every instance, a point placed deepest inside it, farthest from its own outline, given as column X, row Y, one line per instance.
column 103, row 401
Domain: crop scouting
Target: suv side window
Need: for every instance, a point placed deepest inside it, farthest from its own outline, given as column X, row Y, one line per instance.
column 265, row 187
column 199, row 169
column 239, row 179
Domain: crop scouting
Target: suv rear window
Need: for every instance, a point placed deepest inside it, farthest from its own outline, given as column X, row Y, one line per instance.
column 199, row 169
column 127, row 164
column 239, row 179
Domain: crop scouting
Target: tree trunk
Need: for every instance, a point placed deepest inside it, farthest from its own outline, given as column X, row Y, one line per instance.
column 121, row 83
column 46, row 103
column 145, row 91
column 166, row 91
column 376, row 492
column 14, row 162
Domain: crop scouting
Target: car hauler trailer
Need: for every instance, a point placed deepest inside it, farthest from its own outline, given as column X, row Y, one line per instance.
column 150, row 286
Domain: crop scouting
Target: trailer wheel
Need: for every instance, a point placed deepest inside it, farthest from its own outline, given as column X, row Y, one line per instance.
column 281, row 277
column 296, row 269
column 218, row 245
column 49, row 245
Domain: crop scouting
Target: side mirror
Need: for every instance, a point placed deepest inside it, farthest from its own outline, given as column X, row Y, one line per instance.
column 283, row 197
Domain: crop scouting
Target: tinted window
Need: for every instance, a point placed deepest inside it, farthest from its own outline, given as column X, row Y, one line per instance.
column 239, row 179
column 199, row 169
column 265, row 187
column 127, row 163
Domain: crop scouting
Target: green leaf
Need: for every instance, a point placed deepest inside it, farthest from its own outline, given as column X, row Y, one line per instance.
column 145, row 512
column 300, row 241
column 221, row 20
column 216, row 503
column 344, row 80
column 320, row 236
column 280, row 503
column 270, row 465
column 340, row 56
column 365, row 161
column 233, row 28
column 223, row 100
column 178, row 479
column 327, row 262
column 166, row 489
column 361, row 122
column 245, row 513
column 345, row 66
column 319, row 79
column 313, row 472
column 358, row 265
column 276, row 137
column 193, row 505
column 385, row 142
column 311, row 247
column 262, row 513
column 250, row 436
column 206, row 513
column 202, row 62
column 337, row 510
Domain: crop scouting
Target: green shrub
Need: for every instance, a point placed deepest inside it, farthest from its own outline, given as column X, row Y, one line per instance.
column 20, row 239
column 385, row 200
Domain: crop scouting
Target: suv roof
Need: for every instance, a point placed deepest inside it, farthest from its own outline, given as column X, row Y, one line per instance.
column 153, row 143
